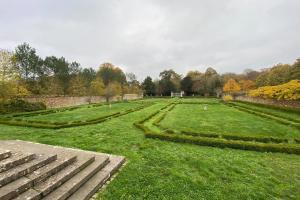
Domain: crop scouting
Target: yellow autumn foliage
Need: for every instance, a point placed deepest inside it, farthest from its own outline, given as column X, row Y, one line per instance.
column 231, row 86
column 287, row 91
column 227, row 98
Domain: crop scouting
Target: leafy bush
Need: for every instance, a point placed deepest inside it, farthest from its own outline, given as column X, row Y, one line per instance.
column 18, row 105
column 287, row 91
column 227, row 98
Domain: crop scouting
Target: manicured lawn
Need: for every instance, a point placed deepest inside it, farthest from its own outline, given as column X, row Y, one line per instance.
column 224, row 120
column 166, row 170
column 85, row 112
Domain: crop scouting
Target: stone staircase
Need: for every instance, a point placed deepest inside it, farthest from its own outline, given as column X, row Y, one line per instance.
column 36, row 171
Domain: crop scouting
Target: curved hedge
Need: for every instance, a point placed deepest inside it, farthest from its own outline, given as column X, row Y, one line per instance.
column 58, row 125
column 222, row 143
column 267, row 116
column 262, row 144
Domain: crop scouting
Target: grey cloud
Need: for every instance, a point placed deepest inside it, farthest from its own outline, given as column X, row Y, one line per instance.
column 148, row 36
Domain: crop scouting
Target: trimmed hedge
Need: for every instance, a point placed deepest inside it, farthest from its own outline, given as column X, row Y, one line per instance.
column 268, row 113
column 159, row 119
column 286, row 109
column 261, row 114
column 208, row 103
column 58, row 125
column 42, row 112
column 55, row 110
column 238, row 137
column 215, row 135
column 19, row 105
column 222, row 143
column 261, row 144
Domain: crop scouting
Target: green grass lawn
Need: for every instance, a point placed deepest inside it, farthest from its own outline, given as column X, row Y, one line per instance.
column 85, row 112
column 222, row 119
column 158, row 169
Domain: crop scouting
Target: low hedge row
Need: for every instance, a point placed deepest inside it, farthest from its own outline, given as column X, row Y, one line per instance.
column 215, row 135
column 268, row 113
column 140, row 124
column 55, row 110
column 286, row 109
column 172, row 107
column 58, row 125
column 166, row 106
column 261, row 114
column 42, row 112
column 20, row 105
column 222, row 143
column 160, row 118
column 238, row 137
column 208, row 103
column 54, row 125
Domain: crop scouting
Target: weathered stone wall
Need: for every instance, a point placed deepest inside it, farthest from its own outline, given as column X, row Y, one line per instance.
column 284, row 103
column 64, row 101
column 132, row 96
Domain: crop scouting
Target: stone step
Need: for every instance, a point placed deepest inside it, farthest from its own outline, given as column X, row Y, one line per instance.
column 43, row 173
column 15, row 160
column 21, row 170
column 87, row 190
column 69, row 187
column 75, row 174
column 44, row 188
column 13, row 189
column 4, row 154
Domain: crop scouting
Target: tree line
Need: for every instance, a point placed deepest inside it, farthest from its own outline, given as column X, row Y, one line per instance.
column 23, row 72
column 210, row 83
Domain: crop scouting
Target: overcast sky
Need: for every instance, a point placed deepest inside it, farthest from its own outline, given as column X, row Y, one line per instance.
column 148, row 36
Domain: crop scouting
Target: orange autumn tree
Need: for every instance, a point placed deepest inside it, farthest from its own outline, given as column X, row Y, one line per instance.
column 231, row 86
column 247, row 85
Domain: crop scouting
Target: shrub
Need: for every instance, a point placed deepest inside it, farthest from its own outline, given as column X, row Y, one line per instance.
column 287, row 91
column 19, row 105
column 227, row 98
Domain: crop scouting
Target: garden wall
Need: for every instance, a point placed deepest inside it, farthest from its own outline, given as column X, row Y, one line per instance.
column 284, row 103
column 64, row 101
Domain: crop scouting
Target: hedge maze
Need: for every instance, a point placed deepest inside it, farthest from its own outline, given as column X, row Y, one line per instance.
column 153, row 128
